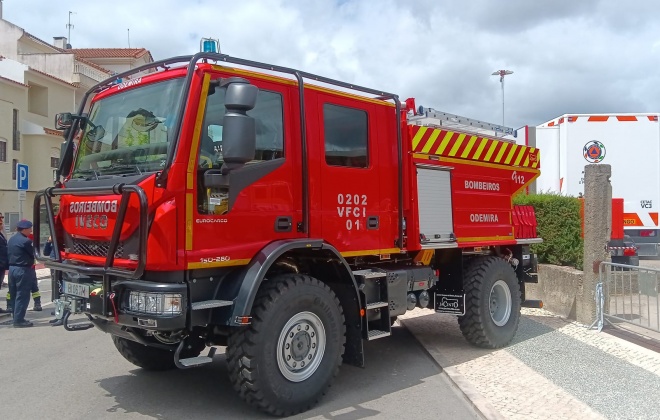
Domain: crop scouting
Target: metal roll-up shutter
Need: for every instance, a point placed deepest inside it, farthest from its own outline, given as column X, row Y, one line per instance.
column 434, row 198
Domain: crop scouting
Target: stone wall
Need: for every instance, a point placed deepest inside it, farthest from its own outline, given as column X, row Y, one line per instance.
column 557, row 288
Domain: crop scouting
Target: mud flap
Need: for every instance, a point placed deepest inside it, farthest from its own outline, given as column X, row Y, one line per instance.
column 450, row 304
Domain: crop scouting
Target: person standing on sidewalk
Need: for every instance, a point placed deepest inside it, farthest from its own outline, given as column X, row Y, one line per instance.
column 36, row 294
column 4, row 261
column 22, row 274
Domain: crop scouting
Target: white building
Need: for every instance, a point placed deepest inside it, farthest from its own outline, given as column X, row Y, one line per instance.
column 37, row 81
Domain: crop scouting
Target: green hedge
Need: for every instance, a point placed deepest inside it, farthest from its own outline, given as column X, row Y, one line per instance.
column 560, row 225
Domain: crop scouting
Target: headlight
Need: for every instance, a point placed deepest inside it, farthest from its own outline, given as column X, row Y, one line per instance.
column 155, row 303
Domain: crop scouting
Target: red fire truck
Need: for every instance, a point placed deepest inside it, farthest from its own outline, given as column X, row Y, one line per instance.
column 210, row 201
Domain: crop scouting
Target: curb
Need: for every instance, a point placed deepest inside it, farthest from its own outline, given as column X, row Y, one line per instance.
column 476, row 400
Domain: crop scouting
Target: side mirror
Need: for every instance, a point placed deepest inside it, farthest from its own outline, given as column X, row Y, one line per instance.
column 63, row 121
column 239, row 135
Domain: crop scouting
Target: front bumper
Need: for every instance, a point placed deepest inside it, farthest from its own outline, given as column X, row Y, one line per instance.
column 118, row 310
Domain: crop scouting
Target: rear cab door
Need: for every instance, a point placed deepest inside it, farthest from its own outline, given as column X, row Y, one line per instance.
column 347, row 172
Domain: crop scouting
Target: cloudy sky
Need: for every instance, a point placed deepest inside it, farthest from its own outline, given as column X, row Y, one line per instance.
column 568, row 56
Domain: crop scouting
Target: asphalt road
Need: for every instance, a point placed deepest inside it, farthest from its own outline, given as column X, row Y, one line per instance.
column 49, row 373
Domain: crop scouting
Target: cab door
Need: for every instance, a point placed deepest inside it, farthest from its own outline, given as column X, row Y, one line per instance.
column 346, row 208
column 262, row 201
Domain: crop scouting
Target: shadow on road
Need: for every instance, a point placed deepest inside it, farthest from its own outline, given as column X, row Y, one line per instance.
column 439, row 331
column 392, row 365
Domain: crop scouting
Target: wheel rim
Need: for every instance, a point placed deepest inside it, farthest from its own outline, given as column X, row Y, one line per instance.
column 301, row 346
column 500, row 303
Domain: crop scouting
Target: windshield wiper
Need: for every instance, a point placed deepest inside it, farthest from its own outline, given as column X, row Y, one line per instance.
column 87, row 171
column 121, row 167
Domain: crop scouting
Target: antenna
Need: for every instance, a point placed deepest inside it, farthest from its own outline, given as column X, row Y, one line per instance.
column 69, row 26
column 128, row 31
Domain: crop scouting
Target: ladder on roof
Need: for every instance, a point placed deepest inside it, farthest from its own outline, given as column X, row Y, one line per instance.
column 431, row 118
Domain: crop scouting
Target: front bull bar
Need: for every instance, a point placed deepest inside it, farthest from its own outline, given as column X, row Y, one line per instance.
column 108, row 269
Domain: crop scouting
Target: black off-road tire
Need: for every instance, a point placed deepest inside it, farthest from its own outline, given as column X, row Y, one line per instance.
column 253, row 352
column 477, row 325
column 151, row 358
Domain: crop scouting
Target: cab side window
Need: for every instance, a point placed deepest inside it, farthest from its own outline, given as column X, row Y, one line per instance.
column 345, row 136
column 269, row 121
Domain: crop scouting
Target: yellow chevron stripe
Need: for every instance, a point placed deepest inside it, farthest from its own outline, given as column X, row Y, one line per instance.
column 535, row 164
column 431, row 141
column 520, row 155
column 418, row 137
column 526, row 164
column 491, row 150
column 443, row 144
column 457, row 144
column 512, row 152
column 480, row 149
column 498, row 158
column 466, row 152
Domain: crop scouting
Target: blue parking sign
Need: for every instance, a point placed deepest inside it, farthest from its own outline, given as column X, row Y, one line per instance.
column 21, row 177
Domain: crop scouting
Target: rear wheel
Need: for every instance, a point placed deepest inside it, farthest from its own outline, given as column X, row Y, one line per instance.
column 492, row 303
column 285, row 360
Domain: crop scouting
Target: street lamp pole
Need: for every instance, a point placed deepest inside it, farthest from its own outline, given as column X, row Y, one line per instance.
column 502, row 73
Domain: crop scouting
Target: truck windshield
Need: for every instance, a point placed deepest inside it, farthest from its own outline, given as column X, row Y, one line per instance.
column 129, row 132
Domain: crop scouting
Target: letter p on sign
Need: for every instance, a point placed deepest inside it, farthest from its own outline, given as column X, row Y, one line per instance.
column 21, row 177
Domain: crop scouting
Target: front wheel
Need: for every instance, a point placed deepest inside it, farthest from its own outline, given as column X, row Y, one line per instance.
column 492, row 303
column 286, row 359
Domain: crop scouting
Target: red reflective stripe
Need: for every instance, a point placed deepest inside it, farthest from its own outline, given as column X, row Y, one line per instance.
column 598, row 118
column 626, row 118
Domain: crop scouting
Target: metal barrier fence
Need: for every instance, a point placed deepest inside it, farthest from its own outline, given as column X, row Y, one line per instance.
column 628, row 293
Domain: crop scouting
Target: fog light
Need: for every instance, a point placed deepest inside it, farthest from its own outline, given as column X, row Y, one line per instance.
column 155, row 303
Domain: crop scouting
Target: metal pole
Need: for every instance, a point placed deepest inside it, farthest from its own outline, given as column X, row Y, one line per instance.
column 502, row 73
column 502, row 83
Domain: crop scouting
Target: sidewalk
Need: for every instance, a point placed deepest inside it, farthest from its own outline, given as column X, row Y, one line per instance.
column 554, row 369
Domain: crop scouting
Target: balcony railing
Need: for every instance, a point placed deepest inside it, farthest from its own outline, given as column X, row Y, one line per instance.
column 90, row 72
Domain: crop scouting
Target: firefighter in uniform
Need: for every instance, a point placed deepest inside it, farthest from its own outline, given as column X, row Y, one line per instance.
column 36, row 294
column 22, row 275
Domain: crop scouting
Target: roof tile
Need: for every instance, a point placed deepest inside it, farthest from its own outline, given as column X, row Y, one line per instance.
column 110, row 52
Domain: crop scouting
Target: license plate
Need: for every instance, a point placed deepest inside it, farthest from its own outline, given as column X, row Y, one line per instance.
column 76, row 289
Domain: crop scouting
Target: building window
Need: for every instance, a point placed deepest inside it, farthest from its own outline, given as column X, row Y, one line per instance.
column 54, row 162
column 346, row 136
column 14, row 163
column 3, row 151
column 11, row 219
column 38, row 99
column 16, row 135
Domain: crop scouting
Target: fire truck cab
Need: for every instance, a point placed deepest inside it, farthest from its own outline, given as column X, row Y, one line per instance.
column 216, row 201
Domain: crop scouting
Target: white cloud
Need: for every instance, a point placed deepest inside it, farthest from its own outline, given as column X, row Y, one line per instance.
column 568, row 56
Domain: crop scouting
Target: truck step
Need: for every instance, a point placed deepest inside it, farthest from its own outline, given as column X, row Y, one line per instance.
column 192, row 361
column 375, row 305
column 376, row 334
column 195, row 361
column 369, row 274
column 208, row 304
